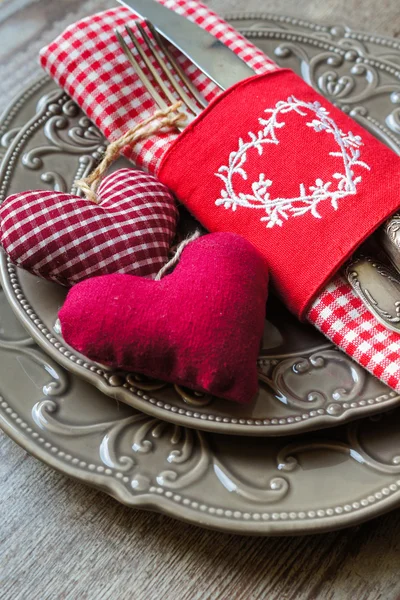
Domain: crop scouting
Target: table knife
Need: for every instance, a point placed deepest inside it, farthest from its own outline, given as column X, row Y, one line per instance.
column 210, row 55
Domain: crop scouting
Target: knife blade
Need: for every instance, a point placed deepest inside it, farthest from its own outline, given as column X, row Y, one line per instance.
column 210, row 55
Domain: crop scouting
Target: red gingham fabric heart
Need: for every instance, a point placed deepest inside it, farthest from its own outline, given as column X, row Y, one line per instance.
column 66, row 239
column 87, row 62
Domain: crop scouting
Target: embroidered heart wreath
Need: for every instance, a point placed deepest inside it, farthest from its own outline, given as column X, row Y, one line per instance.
column 279, row 209
column 278, row 156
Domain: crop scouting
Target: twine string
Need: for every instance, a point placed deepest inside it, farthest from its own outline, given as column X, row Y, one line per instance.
column 159, row 121
column 178, row 252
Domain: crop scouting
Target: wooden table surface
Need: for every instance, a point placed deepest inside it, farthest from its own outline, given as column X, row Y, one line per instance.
column 60, row 540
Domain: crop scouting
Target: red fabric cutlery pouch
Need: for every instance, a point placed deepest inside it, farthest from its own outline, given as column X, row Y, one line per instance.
column 88, row 63
column 273, row 161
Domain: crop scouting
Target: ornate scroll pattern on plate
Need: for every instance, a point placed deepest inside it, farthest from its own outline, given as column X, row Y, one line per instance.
column 67, row 131
column 176, row 458
column 287, row 460
column 187, row 459
column 266, row 25
column 277, row 373
column 30, row 357
column 63, row 137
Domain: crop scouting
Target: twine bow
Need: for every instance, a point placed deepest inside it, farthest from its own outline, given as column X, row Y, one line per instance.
column 160, row 120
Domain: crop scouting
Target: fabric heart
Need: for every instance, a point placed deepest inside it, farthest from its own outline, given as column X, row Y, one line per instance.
column 66, row 239
column 200, row 327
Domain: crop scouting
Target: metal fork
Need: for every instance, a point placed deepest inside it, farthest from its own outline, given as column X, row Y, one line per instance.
column 374, row 281
column 181, row 84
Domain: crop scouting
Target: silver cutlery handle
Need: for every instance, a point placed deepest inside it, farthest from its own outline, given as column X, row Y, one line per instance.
column 389, row 238
column 378, row 286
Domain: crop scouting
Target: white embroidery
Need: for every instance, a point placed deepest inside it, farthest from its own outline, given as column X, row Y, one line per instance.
column 279, row 209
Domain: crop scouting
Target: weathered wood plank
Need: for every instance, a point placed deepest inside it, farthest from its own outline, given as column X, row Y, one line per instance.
column 61, row 540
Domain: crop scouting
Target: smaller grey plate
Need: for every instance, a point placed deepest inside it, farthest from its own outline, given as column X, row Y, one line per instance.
column 305, row 383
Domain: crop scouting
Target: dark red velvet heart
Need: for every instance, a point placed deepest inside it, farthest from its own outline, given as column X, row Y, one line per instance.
column 66, row 239
column 200, row 327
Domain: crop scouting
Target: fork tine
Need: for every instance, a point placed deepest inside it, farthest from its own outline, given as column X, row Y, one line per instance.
column 140, row 73
column 190, row 86
column 149, row 65
column 163, row 65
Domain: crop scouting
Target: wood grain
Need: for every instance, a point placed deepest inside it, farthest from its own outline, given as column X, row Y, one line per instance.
column 60, row 540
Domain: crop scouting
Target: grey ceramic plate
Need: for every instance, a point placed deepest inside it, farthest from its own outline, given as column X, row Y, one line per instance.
column 304, row 383
column 298, row 484
column 301, row 484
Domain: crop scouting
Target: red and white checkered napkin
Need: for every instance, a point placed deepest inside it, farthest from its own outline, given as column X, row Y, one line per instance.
column 88, row 63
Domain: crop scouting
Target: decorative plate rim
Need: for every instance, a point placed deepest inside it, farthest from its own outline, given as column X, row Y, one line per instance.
column 316, row 28
column 256, row 523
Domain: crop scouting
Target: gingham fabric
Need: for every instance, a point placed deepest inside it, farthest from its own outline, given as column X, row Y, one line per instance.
column 88, row 63
column 66, row 239
column 342, row 317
